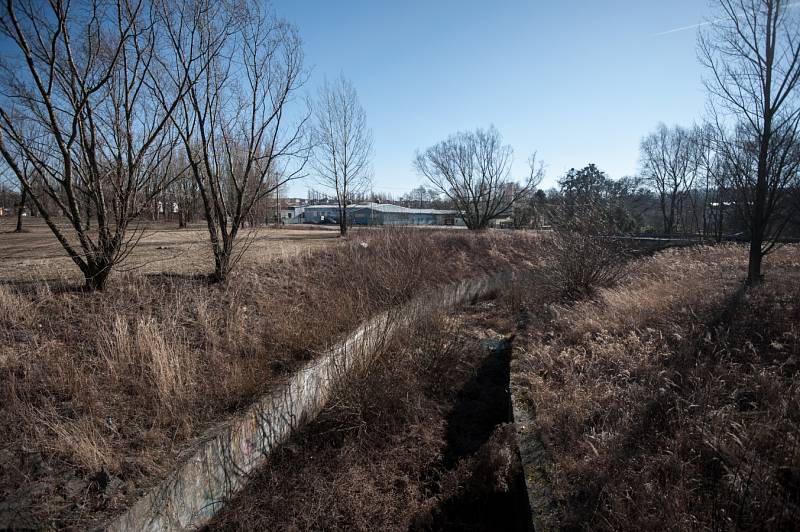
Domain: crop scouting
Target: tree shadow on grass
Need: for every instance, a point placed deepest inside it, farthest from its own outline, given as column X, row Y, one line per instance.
column 476, row 432
column 655, row 421
column 55, row 286
column 59, row 286
column 200, row 279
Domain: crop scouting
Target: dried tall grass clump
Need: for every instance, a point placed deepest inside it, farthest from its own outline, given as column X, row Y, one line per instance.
column 15, row 310
column 115, row 346
column 168, row 362
column 166, row 366
column 83, row 440
column 580, row 263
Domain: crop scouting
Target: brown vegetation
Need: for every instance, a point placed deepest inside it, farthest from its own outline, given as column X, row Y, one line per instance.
column 671, row 396
column 581, row 263
column 673, row 399
column 413, row 438
column 35, row 256
column 101, row 392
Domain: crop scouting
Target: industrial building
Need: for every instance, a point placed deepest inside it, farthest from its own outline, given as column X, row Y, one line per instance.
column 381, row 214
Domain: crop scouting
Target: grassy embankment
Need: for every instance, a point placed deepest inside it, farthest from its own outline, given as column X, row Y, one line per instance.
column 669, row 399
column 103, row 392
column 673, row 399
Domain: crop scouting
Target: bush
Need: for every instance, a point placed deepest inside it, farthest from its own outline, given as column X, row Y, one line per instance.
column 582, row 263
column 584, row 255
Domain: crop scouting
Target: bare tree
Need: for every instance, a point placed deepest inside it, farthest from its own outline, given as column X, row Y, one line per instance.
column 23, row 197
column 422, row 197
column 78, row 84
column 241, row 140
column 707, row 189
column 10, row 195
column 752, row 51
column 10, row 183
column 342, row 144
column 670, row 160
column 473, row 170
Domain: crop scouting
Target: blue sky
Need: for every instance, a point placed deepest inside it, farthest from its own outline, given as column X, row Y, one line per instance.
column 577, row 81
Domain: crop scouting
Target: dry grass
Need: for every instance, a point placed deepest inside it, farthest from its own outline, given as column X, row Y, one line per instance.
column 580, row 263
column 673, row 401
column 35, row 255
column 377, row 457
column 102, row 392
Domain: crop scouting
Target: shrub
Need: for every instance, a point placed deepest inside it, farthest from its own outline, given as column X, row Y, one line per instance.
column 581, row 263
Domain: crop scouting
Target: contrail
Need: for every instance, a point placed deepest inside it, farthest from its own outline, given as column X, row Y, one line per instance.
column 682, row 28
column 706, row 23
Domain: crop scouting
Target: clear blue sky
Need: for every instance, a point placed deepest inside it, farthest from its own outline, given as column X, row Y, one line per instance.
column 578, row 81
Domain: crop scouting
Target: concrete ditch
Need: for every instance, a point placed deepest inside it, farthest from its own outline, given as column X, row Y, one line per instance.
column 541, row 501
column 199, row 486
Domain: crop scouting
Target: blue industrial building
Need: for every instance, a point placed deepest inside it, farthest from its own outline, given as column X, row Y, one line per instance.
column 381, row 214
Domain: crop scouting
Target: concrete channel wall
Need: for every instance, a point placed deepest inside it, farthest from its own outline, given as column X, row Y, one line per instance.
column 200, row 485
column 541, row 501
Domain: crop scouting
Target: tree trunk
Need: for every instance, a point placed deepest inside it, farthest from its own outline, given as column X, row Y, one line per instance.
column 664, row 217
column 758, row 217
column 222, row 261
column 757, row 230
column 671, row 219
column 96, row 276
column 759, row 214
column 21, row 209
column 754, row 261
column 343, row 219
column 221, row 268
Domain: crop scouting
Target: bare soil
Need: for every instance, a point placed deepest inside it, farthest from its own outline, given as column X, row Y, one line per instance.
column 35, row 255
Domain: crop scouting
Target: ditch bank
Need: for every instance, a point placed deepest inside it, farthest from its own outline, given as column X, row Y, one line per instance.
column 220, row 465
column 535, row 486
column 417, row 437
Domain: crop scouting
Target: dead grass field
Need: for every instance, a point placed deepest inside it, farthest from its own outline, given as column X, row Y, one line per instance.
column 35, row 254
column 668, row 398
column 672, row 400
column 102, row 392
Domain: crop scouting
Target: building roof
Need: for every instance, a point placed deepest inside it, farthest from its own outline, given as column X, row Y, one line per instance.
column 387, row 208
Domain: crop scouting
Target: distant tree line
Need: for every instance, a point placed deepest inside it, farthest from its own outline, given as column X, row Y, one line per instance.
column 736, row 174
column 700, row 205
